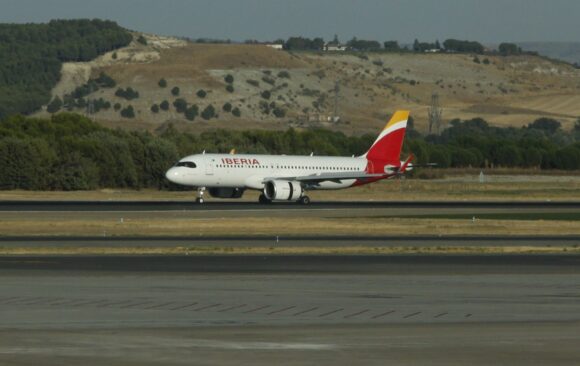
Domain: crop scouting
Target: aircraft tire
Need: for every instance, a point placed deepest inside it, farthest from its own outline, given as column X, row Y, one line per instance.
column 304, row 200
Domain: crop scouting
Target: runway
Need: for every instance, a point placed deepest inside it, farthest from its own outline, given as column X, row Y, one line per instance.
column 93, row 206
column 300, row 310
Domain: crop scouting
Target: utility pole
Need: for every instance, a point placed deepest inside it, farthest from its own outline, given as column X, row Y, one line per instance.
column 336, row 118
column 434, row 115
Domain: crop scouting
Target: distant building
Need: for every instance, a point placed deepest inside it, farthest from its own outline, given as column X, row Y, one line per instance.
column 433, row 50
column 334, row 47
column 276, row 46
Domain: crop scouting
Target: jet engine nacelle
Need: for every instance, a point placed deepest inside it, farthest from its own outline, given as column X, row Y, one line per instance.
column 226, row 192
column 280, row 190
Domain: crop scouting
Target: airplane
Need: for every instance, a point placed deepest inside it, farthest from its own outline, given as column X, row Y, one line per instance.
column 288, row 178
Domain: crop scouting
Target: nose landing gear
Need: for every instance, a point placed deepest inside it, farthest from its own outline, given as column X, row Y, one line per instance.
column 200, row 192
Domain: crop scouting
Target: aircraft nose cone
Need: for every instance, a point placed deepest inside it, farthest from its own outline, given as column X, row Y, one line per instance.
column 172, row 175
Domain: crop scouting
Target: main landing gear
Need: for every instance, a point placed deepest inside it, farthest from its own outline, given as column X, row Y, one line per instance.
column 200, row 192
column 263, row 200
column 304, row 200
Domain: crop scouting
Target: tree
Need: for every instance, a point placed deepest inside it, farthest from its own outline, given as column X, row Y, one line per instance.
column 230, row 88
column 548, row 125
column 142, row 40
column 266, row 94
column 201, row 93
column 180, row 105
column 55, row 105
column 279, row 112
column 128, row 112
column 192, row 112
column 162, row 83
column 175, row 91
column 507, row 49
column 236, row 112
column 229, row 79
column 454, row 45
column 117, row 106
column 155, row 108
column 208, row 113
column 164, row 105
column 227, row 107
column 392, row 46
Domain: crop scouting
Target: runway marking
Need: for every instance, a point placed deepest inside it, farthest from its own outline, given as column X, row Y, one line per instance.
column 232, row 308
column 411, row 315
column 330, row 312
column 383, row 314
column 184, row 306
column 281, row 310
column 206, row 307
column 355, row 314
column 158, row 306
column 440, row 315
column 306, row 311
column 257, row 309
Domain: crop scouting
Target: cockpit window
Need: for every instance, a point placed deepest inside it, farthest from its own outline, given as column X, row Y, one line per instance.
column 187, row 164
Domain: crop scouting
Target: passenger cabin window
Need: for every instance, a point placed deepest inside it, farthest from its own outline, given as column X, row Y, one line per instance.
column 187, row 164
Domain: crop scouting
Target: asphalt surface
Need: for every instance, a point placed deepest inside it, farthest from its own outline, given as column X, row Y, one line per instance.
column 244, row 205
column 286, row 241
column 301, row 310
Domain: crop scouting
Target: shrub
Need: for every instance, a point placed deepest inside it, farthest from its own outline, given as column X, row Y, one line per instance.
column 284, row 74
column 162, row 83
column 268, row 80
column 164, row 105
column 192, row 112
column 255, row 83
column 208, row 113
column 128, row 112
column 201, row 93
column 180, row 105
column 117, row 106
column 175, row 91
column 279, row 112
column 105, row 81
column 114, row 55
column 230, row 88
column 236, row 112
column 229, row 79
column 266, row 94
column 155, row 108
column 142, row 40
column 128, row 93
column 54, row 106
column 227, row 107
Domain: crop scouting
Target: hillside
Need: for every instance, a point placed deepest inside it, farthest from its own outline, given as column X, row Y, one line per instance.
column 506, row 91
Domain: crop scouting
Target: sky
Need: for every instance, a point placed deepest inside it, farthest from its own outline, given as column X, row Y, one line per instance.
column 487, row 21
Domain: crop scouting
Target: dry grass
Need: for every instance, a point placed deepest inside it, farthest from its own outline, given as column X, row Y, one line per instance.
column 282, row 226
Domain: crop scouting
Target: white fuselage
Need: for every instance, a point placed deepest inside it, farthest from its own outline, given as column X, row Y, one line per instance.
column 251, row 171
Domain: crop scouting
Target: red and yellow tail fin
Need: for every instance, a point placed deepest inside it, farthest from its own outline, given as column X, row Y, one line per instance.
column 387, row 147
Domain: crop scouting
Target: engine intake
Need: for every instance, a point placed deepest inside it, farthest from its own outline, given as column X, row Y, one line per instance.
column 279, row 190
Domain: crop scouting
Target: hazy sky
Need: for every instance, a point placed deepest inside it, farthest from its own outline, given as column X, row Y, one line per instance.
column 487, row 21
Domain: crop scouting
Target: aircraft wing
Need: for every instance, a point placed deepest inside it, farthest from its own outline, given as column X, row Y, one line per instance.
column 321, row 177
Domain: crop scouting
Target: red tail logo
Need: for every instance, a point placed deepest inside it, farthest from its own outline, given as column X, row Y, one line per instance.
column 387, row 147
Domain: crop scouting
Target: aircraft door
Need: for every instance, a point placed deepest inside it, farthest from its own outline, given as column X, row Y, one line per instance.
column 209, row 167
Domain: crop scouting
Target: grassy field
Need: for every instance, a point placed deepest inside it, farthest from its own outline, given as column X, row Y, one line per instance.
column 456, row 187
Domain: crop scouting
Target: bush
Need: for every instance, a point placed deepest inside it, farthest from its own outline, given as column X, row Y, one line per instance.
column 117, row 106
column 201, row 93
column 279, row 112
column 255, row 83
column 268, row 80
column 142, row 40
column 192, row 112
column 175, row 91
column 155, row 108
column 230, row 88
column 208, row 113
column 284, row 74
column 164, row 105
column 227, row 107
column 128, row 93
column 180, row 105
column 105, row 81
column 162, row 83
column 128, row 112
column 236, row 112
column 54, row 106
column 229, row 79
column 266, row 94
